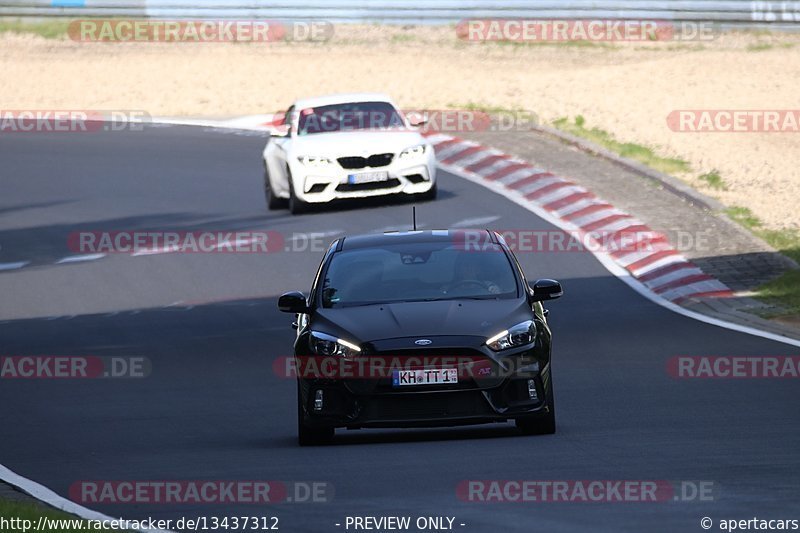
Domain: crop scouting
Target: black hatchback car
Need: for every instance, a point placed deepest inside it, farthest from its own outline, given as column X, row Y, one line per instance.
column 422, row 328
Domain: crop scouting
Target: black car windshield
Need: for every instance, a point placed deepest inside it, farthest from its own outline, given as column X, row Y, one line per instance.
column 351, row 116
column 417, row 272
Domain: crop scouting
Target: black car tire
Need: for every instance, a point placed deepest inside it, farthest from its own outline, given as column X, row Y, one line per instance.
column 296, row 206
column 310, row 436
column 429, row 196
column 273, row 201
column 540, row 425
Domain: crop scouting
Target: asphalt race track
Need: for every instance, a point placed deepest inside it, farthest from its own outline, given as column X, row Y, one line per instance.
column 213, row 409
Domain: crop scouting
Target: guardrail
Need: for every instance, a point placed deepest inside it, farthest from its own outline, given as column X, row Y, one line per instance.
column 781, row 14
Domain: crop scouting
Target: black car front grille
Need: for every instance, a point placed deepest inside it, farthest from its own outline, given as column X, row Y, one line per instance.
column 428, row 406
column 371, row 186
column 391, row 348
column 373, row 161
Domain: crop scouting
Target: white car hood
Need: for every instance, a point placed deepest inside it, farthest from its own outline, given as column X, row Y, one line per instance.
column 355, row 143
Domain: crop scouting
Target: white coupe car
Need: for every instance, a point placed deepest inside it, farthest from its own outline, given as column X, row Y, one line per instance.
column 345, row 146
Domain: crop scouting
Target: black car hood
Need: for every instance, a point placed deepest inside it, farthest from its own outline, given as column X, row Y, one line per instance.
column 482, row 318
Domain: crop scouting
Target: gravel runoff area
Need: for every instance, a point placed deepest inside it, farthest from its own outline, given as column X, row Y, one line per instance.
column 628, row 89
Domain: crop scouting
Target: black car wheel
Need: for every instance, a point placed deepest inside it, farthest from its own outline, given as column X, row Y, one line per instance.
column 332, row 326
column 310, row 436
column 273, row 201
column 430, row 195
column 296, row 206
column 540, row 425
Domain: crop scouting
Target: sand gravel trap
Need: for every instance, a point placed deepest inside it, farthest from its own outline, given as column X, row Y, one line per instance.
column 626, row 89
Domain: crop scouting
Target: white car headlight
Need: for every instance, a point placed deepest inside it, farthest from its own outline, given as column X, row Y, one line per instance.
column 414, row 151
column 519, row 335
column 313, row 161
column 328, row 345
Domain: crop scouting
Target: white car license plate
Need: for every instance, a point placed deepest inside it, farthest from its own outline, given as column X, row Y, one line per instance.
column 367, row 177
column 428, row 376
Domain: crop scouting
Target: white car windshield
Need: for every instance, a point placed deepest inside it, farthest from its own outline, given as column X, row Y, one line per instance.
column 351, row 116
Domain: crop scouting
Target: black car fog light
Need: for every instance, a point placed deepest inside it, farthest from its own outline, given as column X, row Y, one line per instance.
column 318, row 402
column 532, row 390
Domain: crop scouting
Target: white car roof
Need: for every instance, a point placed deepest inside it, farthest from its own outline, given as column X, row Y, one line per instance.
column 332, row 99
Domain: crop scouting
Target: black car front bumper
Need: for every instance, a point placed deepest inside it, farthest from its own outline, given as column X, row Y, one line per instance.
column 344, row 405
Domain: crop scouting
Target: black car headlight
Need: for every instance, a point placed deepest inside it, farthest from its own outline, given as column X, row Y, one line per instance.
column 328, row 345
column 519, row 335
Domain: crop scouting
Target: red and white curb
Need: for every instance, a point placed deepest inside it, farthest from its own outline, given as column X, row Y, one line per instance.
column 651, row 260
column 663, row 276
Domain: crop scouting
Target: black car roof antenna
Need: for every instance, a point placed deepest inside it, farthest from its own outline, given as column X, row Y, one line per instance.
column 414, row 216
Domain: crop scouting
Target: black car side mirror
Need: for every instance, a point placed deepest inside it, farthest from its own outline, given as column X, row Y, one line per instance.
column 546, row 289
column 293, row 302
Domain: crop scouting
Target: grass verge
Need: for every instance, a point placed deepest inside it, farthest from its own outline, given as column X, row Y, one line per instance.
column 485, row 108
column 49, row 29
column 577, row 43
column 21, row 516
column 785, row 290
column 637, row 152
column 713, row 180
column 760, row 47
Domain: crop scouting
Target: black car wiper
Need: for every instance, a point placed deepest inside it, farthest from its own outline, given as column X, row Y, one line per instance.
column 459, row 298
column 437, row 299
column 356, row 304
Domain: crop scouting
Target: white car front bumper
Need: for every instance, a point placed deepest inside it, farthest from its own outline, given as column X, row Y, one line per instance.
column 320, row 184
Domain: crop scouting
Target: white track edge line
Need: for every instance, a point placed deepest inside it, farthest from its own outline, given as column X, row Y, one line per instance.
column 13, row 266
column 604, row 259
column 79, row 258
column 42, row 493
column 611, row 265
